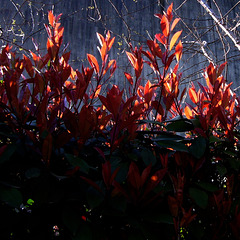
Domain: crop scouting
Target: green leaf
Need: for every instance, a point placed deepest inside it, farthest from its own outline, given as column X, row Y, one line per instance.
column 160, row 218
column 78, row 162
column 30, row 202
column 235, row 163
column 118, row 203
column 200, row 197
column 210, row 187
column 168, row 138
column 122, row 174
column 84, row 232
column 72, row 220
column 11, row 196
column 221, row 169
column 7, row 154
column 213, row 139
column 181, row 125
column 148, row 157
column 178, row 146
column 94, row 197
column 198, row 147
column 32, row 173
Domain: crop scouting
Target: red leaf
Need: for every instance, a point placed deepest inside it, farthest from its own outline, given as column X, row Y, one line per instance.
column 51, row 18
column 178, row 51
column 158, row 15
column 145, row 174
column 211, row 72
column 161, row 38
column 158, row 107
column 148, row 92
column 176, row 20
column 182, row 94
column 132, row 59
column 169, row 61
column 103, row 51
column 100, row 152
column 93, row 184
column 188, row 112
column 113, row 100
column 174, row 39
column 193, row 95
column 100, row 38
column 155, row 180
column 66, row 56
column 173, row 206
column 106, row 173
column 134, row 176
column 93, row 62
column 169, row 12
column 220, row 69
column 110, row 43
column 2, row 149
column 29, row 66
column 129, row 78
column 165, row 26
column 112, row 62
column 47, row 148
column 203, row 89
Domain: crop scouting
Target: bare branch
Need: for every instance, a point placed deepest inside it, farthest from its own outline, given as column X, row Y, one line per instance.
column 217, row 20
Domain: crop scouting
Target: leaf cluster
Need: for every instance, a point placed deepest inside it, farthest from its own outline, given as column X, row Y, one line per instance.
column 80, row 161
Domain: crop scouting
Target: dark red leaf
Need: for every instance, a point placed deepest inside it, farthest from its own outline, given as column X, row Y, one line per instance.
column 134, row 177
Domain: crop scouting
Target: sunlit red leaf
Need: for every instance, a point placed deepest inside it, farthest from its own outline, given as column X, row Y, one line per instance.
column 110, row 63
column 169, row 12
column 51, row 18
column 113, row 100
column 165, row 26
column 111, row 43
column 100, row 38
column 148, row 92
column 193, row 95
column 93, row 62
column 175, row 21
column 178, row 51
column 161, row 38
column 103, row 51
column 132, row 59
column 174, row 39
column 97, row 92
column 129, row 78
column 211, row 72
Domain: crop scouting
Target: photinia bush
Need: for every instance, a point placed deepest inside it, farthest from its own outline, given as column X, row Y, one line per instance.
column 80, row 161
